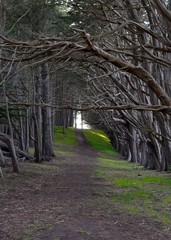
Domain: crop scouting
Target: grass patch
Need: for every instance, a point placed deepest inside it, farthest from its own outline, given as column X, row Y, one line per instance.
column 64, row 152
column 44, row 167
column 83, row 232
column 28, row 231
column 31, row 229
column 136, row 195
column 126, row 182
column 142, row 181
column 99, row 141
column 117, row 164
column 159, row 180
column 65, row 139
column 137, row 190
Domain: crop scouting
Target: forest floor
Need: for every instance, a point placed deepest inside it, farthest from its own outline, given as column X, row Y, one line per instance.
column 65, row 200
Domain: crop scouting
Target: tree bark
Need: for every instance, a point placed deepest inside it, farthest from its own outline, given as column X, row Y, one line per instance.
column 2, row 161
column 9, row 142
column 47, row 142
column 37, row 117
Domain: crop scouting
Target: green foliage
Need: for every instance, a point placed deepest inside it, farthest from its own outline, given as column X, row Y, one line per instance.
column 137, row 190
column 81, row 12
column 65, row 139
column 99, row 140
column 13, row 112
column 36, row 17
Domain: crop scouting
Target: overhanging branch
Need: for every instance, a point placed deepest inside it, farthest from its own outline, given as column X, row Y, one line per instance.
column 154, row 108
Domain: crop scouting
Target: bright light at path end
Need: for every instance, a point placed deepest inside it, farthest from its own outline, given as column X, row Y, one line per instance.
column 79, row 124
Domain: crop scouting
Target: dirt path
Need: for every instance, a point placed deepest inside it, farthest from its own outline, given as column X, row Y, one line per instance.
column 68, row 204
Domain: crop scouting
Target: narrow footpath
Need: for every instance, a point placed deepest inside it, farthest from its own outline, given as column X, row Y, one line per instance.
column 69, row 203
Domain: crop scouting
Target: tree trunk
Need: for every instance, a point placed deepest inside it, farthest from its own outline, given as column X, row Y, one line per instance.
column 37, row 118
column 47, row 143
column 133, row 143
column 2, row 161
column 21, row 135
column 9, row 142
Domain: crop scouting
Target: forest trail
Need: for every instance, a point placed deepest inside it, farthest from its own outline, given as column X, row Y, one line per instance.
column 68, row 202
